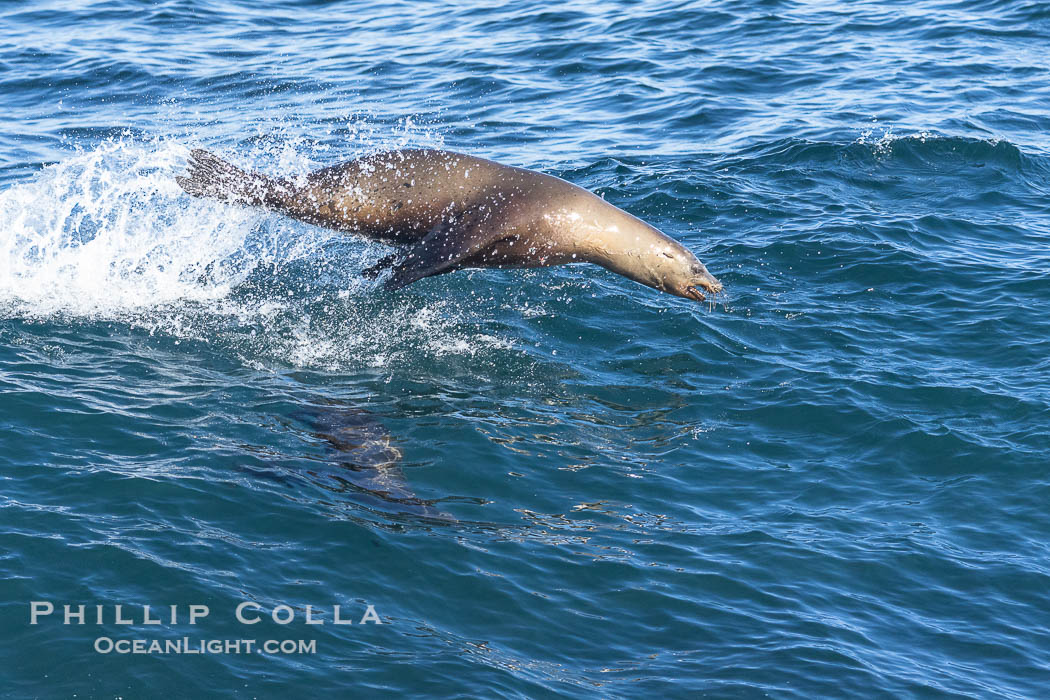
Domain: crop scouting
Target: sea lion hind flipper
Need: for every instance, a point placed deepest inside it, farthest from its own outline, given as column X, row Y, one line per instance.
column 443, row 249
column 210, row 176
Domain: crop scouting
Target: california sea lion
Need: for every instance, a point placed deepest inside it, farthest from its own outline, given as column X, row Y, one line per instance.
column 449, row 211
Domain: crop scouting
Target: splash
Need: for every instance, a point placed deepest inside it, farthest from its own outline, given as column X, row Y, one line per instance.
column 107, row 235
column 108, row 232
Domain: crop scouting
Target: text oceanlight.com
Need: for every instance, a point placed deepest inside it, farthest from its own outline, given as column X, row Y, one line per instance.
column 185, row 645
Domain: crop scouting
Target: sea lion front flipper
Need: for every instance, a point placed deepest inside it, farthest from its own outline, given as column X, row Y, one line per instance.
column 441, row 250
column 383, row 264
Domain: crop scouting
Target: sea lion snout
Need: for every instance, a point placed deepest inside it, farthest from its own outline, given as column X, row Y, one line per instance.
column 709, row 282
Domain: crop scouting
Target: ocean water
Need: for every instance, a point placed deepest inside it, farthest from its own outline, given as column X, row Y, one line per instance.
column 551, row 483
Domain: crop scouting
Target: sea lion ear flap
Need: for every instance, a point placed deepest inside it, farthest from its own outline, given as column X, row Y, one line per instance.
column 443, row 249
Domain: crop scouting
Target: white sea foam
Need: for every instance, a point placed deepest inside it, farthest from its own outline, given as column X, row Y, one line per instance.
column 882, row 144
column 108, row 231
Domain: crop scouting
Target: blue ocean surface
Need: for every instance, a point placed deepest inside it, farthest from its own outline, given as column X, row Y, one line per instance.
column 832, row 482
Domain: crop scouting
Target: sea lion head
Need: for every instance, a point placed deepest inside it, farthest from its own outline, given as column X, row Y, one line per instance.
column 659, row 261
column 630, row 247
column 674, row 269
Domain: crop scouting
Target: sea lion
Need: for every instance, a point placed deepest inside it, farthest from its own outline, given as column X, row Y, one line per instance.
column 450, row 211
